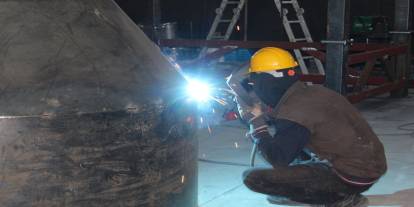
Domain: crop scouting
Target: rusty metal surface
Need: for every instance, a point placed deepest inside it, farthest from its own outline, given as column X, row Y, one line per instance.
column 99, row 159
column 89, row 114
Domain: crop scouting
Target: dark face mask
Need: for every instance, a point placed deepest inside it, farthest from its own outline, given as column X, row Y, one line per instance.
column 269, row 88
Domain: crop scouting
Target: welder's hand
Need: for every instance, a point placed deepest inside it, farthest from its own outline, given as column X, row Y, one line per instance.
column 256, row 119
column 258, row 130
column 248, row 113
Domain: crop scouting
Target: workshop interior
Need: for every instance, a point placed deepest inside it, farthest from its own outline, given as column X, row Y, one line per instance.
column 206, row 103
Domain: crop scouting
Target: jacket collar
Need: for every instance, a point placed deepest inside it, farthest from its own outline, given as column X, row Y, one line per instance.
column 292, row 89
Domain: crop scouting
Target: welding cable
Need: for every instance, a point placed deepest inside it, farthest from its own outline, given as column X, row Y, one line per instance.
column 223, row 163
column 407, row 127
column 397, row 134
column 253, row 154
column 404, row 127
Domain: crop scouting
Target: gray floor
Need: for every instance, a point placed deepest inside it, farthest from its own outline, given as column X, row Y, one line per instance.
column 393, row 121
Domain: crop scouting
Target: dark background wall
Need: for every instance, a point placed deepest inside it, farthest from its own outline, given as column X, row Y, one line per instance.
column 194, row 17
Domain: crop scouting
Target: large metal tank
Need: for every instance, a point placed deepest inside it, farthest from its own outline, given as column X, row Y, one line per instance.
column 90, row 111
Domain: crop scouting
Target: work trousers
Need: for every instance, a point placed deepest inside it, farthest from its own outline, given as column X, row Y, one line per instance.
column 310, row 184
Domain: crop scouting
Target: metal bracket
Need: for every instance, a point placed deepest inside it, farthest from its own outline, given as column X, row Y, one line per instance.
column 341, row 42
column 308, row 49
column 402, row 32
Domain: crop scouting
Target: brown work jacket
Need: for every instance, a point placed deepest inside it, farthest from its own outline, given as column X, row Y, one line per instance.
column 339, row 133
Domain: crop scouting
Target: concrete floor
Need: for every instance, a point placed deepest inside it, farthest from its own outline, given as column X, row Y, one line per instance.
column 393, row 121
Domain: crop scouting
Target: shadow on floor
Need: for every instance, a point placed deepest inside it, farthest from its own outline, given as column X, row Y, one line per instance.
column 403, row 198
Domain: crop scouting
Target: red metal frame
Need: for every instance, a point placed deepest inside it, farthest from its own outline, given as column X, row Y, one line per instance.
column 387, row 87
column 238, row 44
column 356, row 47
column 359, row 53
column 377, row 53
column 320, row 79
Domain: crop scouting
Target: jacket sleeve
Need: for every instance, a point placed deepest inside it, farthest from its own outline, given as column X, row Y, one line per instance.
column 285, row 145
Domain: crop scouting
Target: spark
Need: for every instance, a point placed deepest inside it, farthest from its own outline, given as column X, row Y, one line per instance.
column 209, row 129
column 201, row 120
column 236, row 145
column 231, row 92
column 18, row 117
column 7, row 117
column 182, row 178
column 176, row 65
column 220, row 101
column 189, row 120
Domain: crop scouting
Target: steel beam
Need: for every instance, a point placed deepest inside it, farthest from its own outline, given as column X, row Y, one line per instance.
column 356, row 47
column 336, row 57
column 156, row 13
column 403, row 25
column 239, row 44
column 246, row 20
column 156, row 18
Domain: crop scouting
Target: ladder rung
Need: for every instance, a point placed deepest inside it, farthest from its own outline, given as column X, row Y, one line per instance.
column 300, row 39
column 225, row 21
column 233, row 2
column 217, row 37
column 287, row 2
column 294, row 21
column 307, row 57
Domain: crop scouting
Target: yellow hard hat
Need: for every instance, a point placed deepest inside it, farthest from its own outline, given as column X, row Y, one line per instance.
column 271, row 59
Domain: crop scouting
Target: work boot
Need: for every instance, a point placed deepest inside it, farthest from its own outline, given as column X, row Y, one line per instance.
column 351, row 201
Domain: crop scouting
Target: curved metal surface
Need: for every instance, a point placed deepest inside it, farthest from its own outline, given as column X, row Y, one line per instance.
column 53, row 51
column 89, row 114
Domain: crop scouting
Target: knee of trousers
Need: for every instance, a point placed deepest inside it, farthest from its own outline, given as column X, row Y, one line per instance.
column 248, row 177
column 247, row 173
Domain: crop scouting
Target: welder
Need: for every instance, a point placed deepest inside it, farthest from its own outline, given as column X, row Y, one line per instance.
column 321, row 149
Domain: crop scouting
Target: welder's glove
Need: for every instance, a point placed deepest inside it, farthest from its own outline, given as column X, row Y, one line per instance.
column 248, row 113
column 255, row 117
column 258, row 130
column 258, row 127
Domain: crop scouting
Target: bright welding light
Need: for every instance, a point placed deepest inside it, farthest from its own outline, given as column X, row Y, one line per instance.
column 198, row 90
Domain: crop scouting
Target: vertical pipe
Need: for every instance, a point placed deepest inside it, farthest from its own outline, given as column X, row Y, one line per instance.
column 336, row 55
column 402, row 25
column 156, row 18
column 246, row 19
column 156, row 12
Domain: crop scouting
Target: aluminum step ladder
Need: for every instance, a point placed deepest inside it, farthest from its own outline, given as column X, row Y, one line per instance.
column 223, row 25
column 286, row 7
